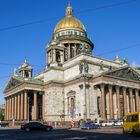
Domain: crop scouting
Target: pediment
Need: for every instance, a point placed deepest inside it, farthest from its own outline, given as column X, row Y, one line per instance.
column 125, row 73
column 13, row 82
column 71, row 93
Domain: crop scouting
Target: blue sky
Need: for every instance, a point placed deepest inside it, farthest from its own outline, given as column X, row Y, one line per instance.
column 111, row 28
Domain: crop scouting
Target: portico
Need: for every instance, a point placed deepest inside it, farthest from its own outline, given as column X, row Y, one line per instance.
column 118, row 96
column 25, row 105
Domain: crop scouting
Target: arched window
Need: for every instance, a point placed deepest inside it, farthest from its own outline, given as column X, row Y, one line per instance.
column 71, row 101
column 50, row 56
column 72, row 105
column 26, row 75
column 75, row 33
column 58, row 56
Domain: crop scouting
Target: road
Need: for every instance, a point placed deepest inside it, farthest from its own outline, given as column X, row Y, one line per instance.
column 66, row 134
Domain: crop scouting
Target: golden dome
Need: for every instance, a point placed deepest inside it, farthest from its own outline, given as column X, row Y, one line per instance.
column 69, row 21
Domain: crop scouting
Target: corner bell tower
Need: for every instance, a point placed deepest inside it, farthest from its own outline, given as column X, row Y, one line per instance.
column 55, row 53
column 25, row 70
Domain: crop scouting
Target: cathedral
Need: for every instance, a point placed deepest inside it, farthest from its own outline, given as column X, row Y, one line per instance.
column 75, row 84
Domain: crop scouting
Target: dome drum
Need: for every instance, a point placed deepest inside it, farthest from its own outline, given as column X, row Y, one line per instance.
column 73, row 39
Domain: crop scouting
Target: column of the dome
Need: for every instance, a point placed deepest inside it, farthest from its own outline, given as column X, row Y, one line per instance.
column 62, row 57
column 75, row 50
column 69, row 51
column 47, row 59
column 54, row 56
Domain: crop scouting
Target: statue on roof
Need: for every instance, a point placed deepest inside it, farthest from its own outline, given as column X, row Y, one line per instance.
column 84, row 48
column 125, row 61
column 101, row 65
column 15, row 72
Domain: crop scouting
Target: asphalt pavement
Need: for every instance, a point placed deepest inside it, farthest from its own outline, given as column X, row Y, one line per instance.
column 66, row 134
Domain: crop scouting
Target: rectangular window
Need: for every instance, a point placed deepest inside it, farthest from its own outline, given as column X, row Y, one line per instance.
column 132, row 118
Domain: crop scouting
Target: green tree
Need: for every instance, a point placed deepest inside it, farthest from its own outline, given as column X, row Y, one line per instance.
column 1, row 114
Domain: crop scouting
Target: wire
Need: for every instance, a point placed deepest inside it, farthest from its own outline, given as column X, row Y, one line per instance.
column 84, row 11
column 106, row 6
column 109, row 52
column 25, row 24
column 8, row 64
column 118, row 50
column 101, row 54
column 3, row 77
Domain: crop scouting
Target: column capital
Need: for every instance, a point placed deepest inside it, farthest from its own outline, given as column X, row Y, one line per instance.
column 124, row 89
column 35, row 92
column 95, row 87
column 136, row 90
column 102, row 85
column 25, row 90
column 87, row 86
column 130, row 89
column 110, row 87
column 117, row 88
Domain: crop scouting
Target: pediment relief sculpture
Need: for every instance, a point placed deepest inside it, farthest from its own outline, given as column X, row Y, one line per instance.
column 127, row 73
column 12, row 83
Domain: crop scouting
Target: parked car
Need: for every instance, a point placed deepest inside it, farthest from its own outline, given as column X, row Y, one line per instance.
column 4, row 124
column 108, row 123
column 118, row 123
column 88, row 126
column 98, row 125
column 36, row 126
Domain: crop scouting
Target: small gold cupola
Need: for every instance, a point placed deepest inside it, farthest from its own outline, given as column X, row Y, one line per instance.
column 117, row 60
column 69, row 10
column 25, row 70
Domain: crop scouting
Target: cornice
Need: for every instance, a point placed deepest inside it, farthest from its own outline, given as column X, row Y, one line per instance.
column 24, row 84
column 127, row 80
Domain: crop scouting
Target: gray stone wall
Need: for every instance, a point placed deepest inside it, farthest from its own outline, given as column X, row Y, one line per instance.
column 53, row 103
